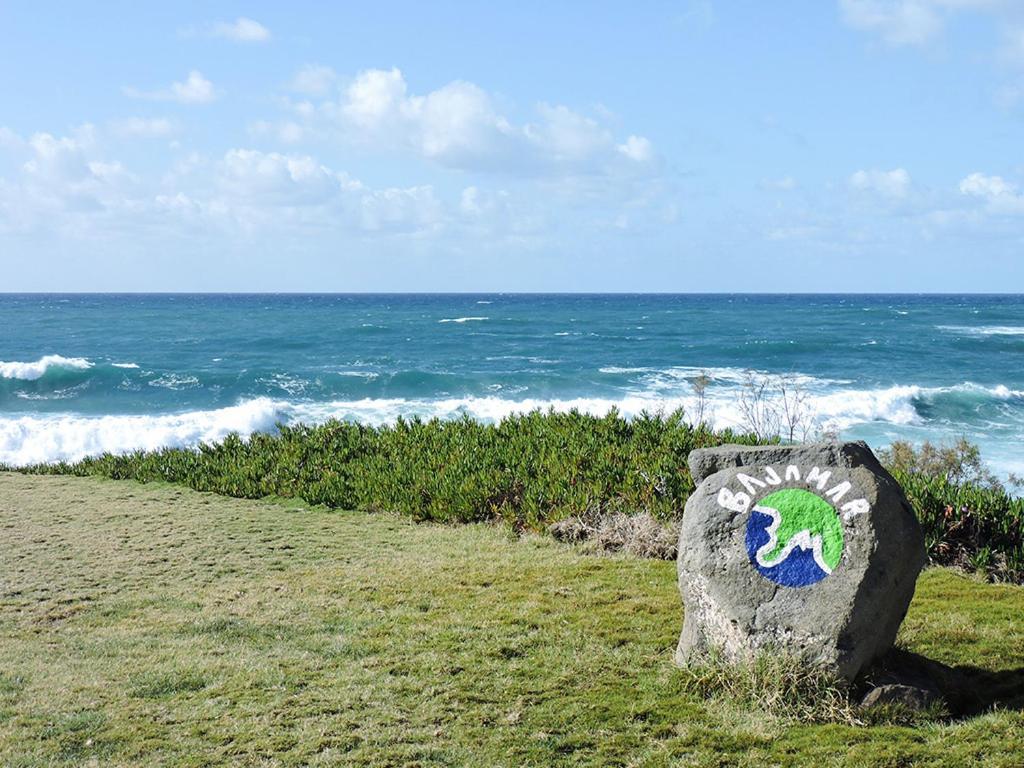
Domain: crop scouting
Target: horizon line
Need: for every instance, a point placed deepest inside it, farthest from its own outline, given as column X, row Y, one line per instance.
column 510, row 293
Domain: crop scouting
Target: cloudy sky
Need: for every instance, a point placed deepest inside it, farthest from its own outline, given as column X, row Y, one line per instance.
column 798, row 145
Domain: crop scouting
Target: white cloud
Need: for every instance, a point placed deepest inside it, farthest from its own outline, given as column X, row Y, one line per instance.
column 144, row 127
column 281, row 179
column 196, row 89
column 922, row 23
column 637, row 148
column 980, row 185
column 65, row 184
column 400, row 210
column 910, row 22
column 59, row 180
column 374, row 96
column 496, row 215
column 241, row 30
column 251, row 181
column 471, row 203
column 892, row 184
column 568, row 136
column 459, row 125
column 899, row 22
column 1000, row 195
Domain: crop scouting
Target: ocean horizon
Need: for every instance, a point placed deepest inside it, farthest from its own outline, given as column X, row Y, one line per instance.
column 88, row 373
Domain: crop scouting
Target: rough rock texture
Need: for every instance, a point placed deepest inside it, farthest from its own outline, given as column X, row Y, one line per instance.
column 810, row 550
column 900, row 694
column 909, row 697
column 704, row 462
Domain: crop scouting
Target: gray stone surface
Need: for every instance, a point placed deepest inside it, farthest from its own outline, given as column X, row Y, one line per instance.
column 704, row 462
column 836, row 606
column 910, row 697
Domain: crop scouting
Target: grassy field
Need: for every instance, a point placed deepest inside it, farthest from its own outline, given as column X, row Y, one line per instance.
column 154, row 625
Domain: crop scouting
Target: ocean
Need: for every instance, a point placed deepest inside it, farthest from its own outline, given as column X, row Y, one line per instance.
column 84, row 374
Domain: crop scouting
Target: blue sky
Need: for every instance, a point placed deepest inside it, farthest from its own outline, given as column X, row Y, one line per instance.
column 856, row 145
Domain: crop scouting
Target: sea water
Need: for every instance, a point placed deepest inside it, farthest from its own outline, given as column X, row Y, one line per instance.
column 84, row 374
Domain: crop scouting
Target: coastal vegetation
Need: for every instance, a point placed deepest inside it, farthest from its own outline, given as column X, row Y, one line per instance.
column 539, row 469
column 153, row 625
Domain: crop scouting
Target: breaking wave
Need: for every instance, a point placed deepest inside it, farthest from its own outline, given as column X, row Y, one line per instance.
column 984, row 330
column 41, row 438
column 67, row 437
column 31, row 371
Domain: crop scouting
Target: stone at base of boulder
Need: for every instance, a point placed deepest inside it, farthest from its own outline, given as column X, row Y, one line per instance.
column 917, row 682
column 908, row 697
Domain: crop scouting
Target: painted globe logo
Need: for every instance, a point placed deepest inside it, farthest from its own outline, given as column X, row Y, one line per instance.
column 794, row 537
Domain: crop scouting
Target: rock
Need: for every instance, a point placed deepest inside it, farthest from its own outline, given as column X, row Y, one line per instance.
column 905, row 680
column 909, row 697
column 809, row 550
column 706, row 461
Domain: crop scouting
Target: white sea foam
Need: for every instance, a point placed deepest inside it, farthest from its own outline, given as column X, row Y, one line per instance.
column 60, row 394
column 37, row 369
column 680, row 378
column 40, row 438
column 619, row 370
column 125, row 365
column 842, row 409
column 68, row 437
column 175, row 381
column 1005, row 393
column 359, row 374
column 984, row 330
column 293, row 385
column 462, row 319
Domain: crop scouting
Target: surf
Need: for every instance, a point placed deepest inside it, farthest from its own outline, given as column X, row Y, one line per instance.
column 32, row 371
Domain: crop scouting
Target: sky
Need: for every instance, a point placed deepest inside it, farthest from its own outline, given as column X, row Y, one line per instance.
column 796, row 145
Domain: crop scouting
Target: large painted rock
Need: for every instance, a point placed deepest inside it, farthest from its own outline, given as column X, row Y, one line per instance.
column 809, row 550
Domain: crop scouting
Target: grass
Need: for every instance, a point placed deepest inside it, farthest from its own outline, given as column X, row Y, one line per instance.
column 535, row 469
column 154, row 625
column 774, row 683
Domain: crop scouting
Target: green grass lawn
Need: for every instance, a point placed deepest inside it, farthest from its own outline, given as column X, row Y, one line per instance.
column 149, row 625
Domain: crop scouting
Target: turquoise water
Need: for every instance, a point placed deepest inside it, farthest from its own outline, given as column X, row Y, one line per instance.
column 81, row 374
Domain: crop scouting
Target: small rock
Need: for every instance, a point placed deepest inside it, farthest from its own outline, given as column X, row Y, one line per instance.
column 906, row 696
